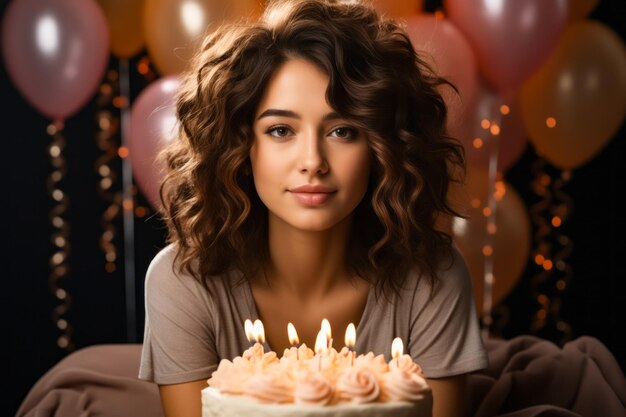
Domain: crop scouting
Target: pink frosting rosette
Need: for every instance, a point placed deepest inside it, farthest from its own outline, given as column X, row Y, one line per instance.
column 272, row 386
column 400, row 385
column 406, row 363
column 358, row 385
column 230, row 377
column 299, row 354
column 312, row 388
column 377, row 364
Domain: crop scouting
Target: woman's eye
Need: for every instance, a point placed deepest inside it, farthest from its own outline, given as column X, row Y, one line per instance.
column 344, row 133
column 279, row 131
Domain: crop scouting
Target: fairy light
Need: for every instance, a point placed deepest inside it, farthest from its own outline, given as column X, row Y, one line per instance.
column 60, row 236
column 551, row 250
column 477, row 143
column 485, row 124
column 505, row 109
column 551, row 122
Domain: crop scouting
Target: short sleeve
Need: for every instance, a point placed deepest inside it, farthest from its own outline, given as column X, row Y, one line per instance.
column 179, row 337
column 444, row 335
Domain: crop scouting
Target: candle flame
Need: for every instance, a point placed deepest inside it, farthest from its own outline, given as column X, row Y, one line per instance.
column 321, row 342
column 350, row 335
column 293, row 335
column 259, row 331
column 326, row 329
column 397, row 348
column 249, row 330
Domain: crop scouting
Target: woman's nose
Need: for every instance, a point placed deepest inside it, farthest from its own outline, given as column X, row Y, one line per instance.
column 313, row 159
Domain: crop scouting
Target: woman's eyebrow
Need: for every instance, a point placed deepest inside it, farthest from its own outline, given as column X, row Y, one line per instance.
column 288, row 113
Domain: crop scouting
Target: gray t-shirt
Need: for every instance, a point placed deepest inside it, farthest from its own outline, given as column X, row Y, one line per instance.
column 189, row 329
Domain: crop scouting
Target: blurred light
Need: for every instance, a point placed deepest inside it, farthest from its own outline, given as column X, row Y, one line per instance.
column 47, row 35
column 556, row 221
column 485, row 124
column 494, row 7
column 504, row 109
column 487, row 250
column 547, row 264
column 122, row 152
column 494, row 129
column 551, row 122
column 486, row 212
column 192, row 16
column 477, row 143
column 55, row 151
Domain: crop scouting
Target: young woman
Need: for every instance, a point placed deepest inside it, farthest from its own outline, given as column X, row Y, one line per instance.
column 311, row 169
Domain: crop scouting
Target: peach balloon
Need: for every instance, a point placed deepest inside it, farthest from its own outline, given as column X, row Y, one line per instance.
column 125, row 26
column 510, row 243
column 153, row 125
column 398, row 8
column 576, row 103
column 445, row 48
column 174, row 29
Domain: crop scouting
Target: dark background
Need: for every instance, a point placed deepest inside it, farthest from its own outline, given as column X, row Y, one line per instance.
column 593, row 304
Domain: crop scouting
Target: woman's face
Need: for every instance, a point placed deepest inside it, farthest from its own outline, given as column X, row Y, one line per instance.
column 310, row 166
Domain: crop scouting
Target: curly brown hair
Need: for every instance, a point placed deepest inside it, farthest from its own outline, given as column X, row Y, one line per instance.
column 377, row 81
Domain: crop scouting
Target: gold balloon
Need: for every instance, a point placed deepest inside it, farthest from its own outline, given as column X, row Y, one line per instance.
column 580, row 9
column 398, row 8
column 124, row 19
column 510, row 242
column 174, row 28
column 577, row 101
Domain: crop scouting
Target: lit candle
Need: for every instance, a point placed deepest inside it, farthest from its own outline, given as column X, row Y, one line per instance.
column 321, row 347
column 328, row 332
column 396, row 349
column 259, row 332
column 351, row 340
column 293, row 338
column 249, row 327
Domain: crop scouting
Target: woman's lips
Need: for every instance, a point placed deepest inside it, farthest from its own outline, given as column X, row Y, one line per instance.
column 311, row 195
column 312, row 199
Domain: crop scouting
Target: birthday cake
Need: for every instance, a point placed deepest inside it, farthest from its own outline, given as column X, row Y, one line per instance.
column 306, row 384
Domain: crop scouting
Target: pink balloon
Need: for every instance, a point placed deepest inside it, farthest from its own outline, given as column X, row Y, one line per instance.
column 153, row 124
column 513, row 138
column 445, row 48
column 56, row 52
column 512, row 38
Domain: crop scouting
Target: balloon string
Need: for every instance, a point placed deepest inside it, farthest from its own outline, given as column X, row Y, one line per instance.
column 108, row 125
column 60, row 237
column 128, row 206
column 490, row 212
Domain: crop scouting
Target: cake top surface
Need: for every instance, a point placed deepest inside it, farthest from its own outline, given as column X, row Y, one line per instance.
column 328, row 378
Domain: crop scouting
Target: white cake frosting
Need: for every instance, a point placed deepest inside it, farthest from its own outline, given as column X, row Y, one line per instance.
column 302, row 384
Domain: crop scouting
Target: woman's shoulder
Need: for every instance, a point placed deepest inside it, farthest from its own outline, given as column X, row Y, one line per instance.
column 165, row 272
column 451, row 272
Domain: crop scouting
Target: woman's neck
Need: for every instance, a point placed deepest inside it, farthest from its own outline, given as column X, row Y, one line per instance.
column 306, row 264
